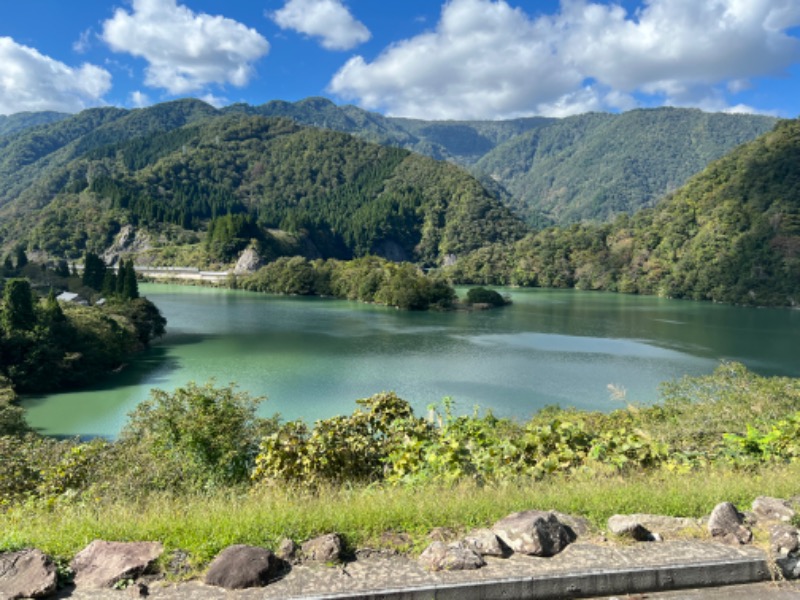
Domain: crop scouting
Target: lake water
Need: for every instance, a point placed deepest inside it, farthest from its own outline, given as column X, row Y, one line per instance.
column 314, row 357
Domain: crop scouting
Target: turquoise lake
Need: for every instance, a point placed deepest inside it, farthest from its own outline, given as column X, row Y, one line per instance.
column 312, row 358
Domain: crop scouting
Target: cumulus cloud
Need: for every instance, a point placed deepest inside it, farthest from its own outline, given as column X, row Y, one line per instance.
column 485, row 59
column 328, row 20
column 139, row 99
column 31, row 81
column 185, row 51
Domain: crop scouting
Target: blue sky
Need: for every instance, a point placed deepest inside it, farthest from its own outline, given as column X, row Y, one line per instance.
column 459, row 59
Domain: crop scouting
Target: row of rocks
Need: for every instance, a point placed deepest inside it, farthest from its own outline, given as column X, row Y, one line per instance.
column 102, row 564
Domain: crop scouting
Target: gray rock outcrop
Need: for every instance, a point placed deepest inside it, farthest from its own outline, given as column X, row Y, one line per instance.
column 249, row 262
column 533, row 532
column 485, row 543
column 26, row 574
column 325, row 548
column 241, row 566
column 726, row 524
column 102, row 564
column 456, row 556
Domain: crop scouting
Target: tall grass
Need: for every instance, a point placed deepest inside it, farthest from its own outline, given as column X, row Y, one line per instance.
column 202, row 525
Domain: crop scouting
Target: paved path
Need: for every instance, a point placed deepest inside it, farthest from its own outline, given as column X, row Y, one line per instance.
column 582, row 570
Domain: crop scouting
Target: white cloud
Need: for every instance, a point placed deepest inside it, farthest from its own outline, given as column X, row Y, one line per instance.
column 84, row 41
column 185, row 51
column 486, row 59
column 326, row 19
column 31, row 81
column 215, row 101
column 139, row 99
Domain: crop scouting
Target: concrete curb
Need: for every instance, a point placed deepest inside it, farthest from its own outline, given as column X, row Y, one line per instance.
column 591, row 583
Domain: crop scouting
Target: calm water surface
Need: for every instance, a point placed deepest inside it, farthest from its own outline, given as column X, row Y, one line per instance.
column 313, row 357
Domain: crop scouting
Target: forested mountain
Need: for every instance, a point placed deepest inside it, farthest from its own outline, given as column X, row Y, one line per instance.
column 598, row 165
column 732, row 234
column 239, row 178
column 588, row 167
column 25, row 120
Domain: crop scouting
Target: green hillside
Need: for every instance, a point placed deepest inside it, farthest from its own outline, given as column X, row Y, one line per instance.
column 10, row 124
column 598, row 165
column 732, row 234
column 239, row 178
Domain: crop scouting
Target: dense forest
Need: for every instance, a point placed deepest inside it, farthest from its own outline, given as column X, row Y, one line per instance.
column 48, row 345
column 192, row 185
column 732, row 234
column 238, row 177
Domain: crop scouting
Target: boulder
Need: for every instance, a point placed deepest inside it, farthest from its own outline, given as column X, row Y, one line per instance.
column 248, row 262
column 726, row 524
column 784, row 540
column 26, row 574
column 440, row 556
column 789, row 566
column 102, row 564
column 629, row 526
column 241, row 566
column 287, row 550
column 485, row 543
column 443, row 534
column 768, row 509
column 534, row 532
column 580, row 526
column 325, row 548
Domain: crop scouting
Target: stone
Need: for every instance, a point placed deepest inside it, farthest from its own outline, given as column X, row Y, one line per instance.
column 138, row 590
column 766, row 508
column 784, row 540
column 103, row 564
column 442, row 534
column 456, row 556
column 325, row 548
column 396, row 541
column 26, row 574
column 726, row 524
column 239, row 567
column 580, row 526
column 248, row 262
column 629, row 526
column 789, row 566
column 287, row 550
column 533, row 532
column 485, row 543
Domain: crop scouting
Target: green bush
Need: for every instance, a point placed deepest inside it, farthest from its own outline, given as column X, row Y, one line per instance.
column 481, row 295
column 197, row 437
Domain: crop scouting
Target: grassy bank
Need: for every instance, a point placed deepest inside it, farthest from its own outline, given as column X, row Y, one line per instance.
column 198, row 470
column 202, row 525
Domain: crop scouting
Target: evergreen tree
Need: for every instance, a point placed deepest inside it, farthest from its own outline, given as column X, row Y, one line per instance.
column 18, row 313
column 130, row 290
column 52, row 309
column 94, row 271
column 22, row 258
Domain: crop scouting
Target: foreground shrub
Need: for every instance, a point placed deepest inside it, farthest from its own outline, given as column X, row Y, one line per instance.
column 197, row 437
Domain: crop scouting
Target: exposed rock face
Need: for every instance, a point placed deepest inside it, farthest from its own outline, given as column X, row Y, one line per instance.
column 772, row 509
column 241, row 566
column 630, row 527
column 249, row 262
column 533, row 532
column 102, row 564
column 26, row 574
column 440, row 556
column 727, row 524
column 128, row 241
column 325, row 548
column 485, row 543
